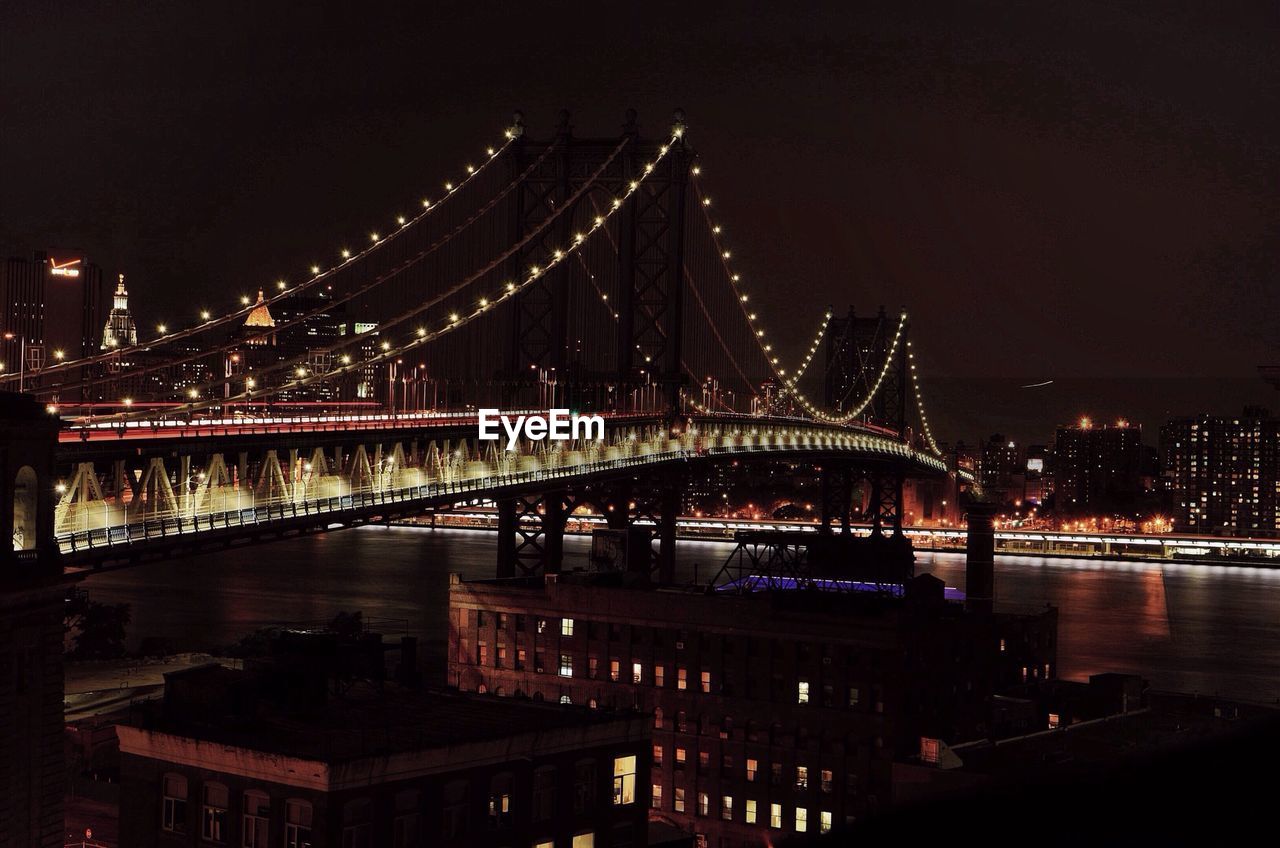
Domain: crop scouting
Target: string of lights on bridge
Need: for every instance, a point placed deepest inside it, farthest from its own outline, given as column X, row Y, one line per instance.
column 296, row 364
column 318, row 273
column 810, row 353
column 735, row 280
column 924, row 417
column 456, row 320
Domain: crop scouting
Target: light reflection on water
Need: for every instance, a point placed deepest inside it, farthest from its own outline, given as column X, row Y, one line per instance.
column 1185, row 627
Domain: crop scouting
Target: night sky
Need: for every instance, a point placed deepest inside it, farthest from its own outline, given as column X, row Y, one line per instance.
column 1083, row 192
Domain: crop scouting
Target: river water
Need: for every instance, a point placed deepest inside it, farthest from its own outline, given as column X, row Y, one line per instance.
column 1190, row 628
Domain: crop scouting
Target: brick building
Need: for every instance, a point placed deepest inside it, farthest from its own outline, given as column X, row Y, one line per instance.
column 236, row 758
column 774, row 713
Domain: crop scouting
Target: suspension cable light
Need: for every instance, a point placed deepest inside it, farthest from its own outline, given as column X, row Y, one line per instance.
column 317, row 274
column 457, row 320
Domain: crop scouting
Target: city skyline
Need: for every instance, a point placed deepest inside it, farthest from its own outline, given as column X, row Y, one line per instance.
column 663, row 426
column 836, row 203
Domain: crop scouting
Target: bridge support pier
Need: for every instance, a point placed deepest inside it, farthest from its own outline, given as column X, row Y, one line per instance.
column 32, row 597
column 837, row 497
column 531, row 534
column 886, row 501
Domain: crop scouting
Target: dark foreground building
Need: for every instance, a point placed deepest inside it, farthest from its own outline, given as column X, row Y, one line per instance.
column 774, row 713
column 254, row 759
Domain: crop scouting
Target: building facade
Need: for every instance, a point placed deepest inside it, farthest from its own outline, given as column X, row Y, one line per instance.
column 1221, row 475
column 774, row 714
column 120, row 330
column 55, row 305
column 385, row 768
column 1097, row 467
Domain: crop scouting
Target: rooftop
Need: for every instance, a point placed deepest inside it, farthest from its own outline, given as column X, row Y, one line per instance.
column 244, row 709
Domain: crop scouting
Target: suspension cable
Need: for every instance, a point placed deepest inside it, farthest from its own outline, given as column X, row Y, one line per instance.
column 318, row 274
column 924, row 418
column 456, row 320
column 326, row 306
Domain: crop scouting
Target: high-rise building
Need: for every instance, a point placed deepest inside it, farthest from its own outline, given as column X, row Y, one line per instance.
column 1002, row 469
column 1097, row 467
column 55, row 305
column 1221, row 475
column 120, row 330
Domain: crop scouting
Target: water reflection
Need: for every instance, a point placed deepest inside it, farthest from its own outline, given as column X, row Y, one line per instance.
column 1185, row 627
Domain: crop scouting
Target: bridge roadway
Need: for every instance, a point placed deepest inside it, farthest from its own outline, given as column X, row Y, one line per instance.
column 171, row 487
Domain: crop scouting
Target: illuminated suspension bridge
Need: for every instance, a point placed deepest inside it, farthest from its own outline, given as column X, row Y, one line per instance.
column 583, row 273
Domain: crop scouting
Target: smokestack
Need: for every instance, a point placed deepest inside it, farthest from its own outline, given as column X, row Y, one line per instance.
column 980, row 558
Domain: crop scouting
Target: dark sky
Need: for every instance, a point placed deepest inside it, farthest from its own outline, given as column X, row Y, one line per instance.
column 1078, row 191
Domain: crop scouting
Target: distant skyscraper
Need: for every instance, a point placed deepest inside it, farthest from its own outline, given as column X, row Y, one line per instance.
column 54, row 307
column 1097, row 466
column 120, row 330
column 1002, row 468
column 260, row 319
column 1221, row 475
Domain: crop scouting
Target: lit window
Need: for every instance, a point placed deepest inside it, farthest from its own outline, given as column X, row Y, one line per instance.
column 681, row 757
column 802, row 692
column 1003, row 646
column 658, row 675
column 752, row 767
column 566, row 665
column 174, row 806
column 566, row 699
column 802, row 819
column 657, row 755
column 679, row 804
column 584, row 840
column 706, row 681
column 624, row 780
column 726, row 807
column 824, row 821
column 775, row 815
column 656, row 796
column 704, row 804
column 1054, row 721
column 802, row 777
column 826, row 780
column 566, row 627
column 637, row 672
column 682, row 678
column 929, row 749
column 614, row 670
column 542, row 625
column 751, row 811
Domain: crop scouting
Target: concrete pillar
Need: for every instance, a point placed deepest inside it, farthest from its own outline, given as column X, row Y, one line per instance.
column 506, row 537
column 980, row 556
column 31, row 603
column 553, row 521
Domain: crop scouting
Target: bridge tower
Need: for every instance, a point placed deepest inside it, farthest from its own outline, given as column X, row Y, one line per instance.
column 650, row 247
column 31, row 602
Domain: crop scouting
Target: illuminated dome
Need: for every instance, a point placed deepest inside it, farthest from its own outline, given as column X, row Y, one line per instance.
column 260, row 315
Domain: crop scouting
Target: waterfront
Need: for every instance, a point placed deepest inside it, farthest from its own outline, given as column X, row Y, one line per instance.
column 1184, row 627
